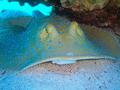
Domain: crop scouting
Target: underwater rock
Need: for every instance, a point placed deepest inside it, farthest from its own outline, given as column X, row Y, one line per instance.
column 118, row 3
column 84, row 5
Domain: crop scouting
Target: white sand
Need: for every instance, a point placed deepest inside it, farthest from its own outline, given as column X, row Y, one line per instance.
column 84, row 75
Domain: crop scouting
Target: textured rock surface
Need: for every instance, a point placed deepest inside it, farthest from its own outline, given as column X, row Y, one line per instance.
column 87, row 5
column 118, row 3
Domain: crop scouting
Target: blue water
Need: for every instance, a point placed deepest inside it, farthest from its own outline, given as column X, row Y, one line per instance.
column 27, row 8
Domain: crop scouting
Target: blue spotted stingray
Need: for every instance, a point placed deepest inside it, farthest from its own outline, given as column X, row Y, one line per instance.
column 27, row 40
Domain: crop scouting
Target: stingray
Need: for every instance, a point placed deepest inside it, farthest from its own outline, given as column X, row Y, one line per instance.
column 38, row 39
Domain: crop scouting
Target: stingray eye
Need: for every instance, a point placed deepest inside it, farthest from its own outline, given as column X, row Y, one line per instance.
column 75, row 30
column 49, row 32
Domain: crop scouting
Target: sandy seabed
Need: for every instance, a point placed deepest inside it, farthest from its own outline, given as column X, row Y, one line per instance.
column 83, row 75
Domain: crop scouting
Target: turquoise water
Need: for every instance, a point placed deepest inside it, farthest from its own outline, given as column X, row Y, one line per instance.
column 27, row 8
